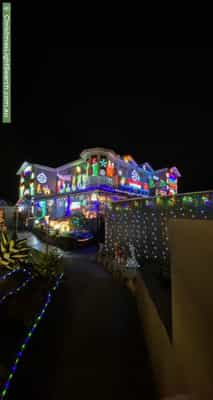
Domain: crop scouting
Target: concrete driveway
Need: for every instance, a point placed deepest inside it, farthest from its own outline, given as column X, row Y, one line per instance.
column 90, row 344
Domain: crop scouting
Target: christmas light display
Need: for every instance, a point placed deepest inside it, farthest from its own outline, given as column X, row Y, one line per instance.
column 88, row 167
column 18, row 289
column 97, row 169
column 74, row 183
column 132, row 262
column 151, row 183
column 32, row 188
column 110, row 169
column 68, row 207
column 103, row 163
column 134, row 183
column 144, row 223
column 27, row 171
column 46, row 189
column 171, row 182
column 38, row 188
column 135, row 175
column 42, row 178
column 10, row 273
column 75, row 205
column 42, row 206
column 26, row 192
column 30, row 332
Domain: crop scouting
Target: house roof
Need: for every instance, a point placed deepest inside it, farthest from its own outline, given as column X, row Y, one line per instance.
column 26, row 163
column 70, row 164
column 97, row 150
column 147, row 166
column 161, row 171
column 22, row 167
column 174, row 170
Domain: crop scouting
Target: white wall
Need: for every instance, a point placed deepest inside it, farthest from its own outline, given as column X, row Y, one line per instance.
column 191, row 246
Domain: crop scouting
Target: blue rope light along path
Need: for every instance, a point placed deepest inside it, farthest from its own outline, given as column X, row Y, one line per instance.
column 8, row 274
column 18, row 289
column 27, row 338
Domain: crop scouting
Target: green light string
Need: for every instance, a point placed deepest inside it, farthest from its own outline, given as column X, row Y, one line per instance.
column 18, row 289
column 27, row 338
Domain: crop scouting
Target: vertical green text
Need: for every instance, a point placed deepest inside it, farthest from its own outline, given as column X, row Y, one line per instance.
column 6, row 62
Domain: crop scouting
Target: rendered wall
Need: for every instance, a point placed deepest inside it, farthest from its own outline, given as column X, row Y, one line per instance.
column 183, row 365
column 191, row 244
column 51, row 178
column 167, row 372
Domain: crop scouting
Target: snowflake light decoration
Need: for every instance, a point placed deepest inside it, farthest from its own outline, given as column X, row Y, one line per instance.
column 103, row 163
column 135, row 175
column 41, row 178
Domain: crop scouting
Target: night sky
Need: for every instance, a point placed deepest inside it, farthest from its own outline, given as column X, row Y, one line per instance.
column 152, row 103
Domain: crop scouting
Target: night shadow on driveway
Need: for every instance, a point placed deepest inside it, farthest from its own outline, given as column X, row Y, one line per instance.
column 90, row 343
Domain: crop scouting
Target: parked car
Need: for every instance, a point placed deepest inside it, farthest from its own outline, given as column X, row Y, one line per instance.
column 80, row 238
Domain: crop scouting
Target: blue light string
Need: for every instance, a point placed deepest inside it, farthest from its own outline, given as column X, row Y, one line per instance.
column 27, row 338
column 19, row 288
column 5, row 276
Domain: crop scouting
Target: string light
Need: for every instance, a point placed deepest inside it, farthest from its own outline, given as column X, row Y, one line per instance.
column 145, row 225
column 27, row 338
column 16, row 290
column 8, row 274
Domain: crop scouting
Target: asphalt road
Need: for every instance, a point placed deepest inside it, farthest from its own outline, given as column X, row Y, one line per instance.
column 90, row 344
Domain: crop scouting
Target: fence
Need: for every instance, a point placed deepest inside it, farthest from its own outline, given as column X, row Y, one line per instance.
column 144, row 222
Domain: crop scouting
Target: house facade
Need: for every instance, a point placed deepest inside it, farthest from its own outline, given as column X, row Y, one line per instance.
column 89, row 184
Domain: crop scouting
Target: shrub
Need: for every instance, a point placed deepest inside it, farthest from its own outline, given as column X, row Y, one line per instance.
column 13, row 253
column 46, row 266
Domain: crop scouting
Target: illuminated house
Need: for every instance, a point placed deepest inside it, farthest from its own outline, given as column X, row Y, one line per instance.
column 89, row 184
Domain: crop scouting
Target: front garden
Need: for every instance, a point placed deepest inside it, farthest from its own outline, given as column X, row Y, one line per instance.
column 28, row 280
column 65, row 233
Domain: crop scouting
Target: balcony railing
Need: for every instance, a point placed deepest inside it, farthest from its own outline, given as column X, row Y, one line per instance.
column 99, row 180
